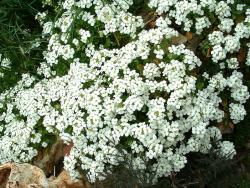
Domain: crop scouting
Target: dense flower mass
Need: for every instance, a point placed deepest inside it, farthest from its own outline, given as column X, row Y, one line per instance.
column 127, row 89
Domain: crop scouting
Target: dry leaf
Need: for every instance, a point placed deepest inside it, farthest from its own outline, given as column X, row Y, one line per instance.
column 189, row 35
column 209, row 52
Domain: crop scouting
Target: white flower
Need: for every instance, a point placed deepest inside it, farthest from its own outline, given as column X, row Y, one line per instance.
column 242, row 30
column 159, row 53
column 237, row 112
column 44, row 144
column 226, row 24
column 232, row 44
column 240, row 7
column 218, row 53
column 5, row 63
column 66, row 52
column 223, row 9
column 233, row 63
column 201, row 23
column 67, row 4
column 216, row 38
column 248, row 57
column 84, row 35
column 226, row 150
column 47, row 28
column 151, row 71
column 133, row 103
column 75, row 42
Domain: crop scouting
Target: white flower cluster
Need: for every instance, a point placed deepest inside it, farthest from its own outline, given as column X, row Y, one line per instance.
column 84, row 35
column 232, row 63
column 138, row 100
column 114, row 16
column 222, row 45
column 237, row 112
column 228, row 44
column 181, row 11
column 239, row 93
column 16, row 134
column 5, row 63
column 226, row 150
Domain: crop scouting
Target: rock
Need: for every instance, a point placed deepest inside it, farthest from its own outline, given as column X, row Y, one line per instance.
column 194, row 41
column 189, row 35
column 180, row 39
column 15, row 175
column 64, row 181
column 48, row 159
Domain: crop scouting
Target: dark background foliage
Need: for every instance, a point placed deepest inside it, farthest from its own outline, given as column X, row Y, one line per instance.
column 18, row 31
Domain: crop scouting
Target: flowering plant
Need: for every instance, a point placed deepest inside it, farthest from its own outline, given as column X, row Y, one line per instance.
column 114, row 86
